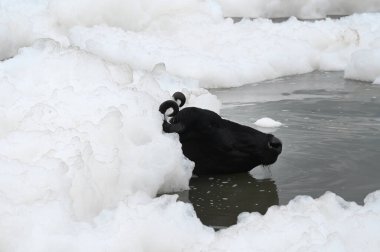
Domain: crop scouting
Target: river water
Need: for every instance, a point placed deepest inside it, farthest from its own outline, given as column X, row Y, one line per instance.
column 331, row 142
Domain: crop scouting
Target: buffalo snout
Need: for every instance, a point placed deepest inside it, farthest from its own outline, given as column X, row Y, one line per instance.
column 275, row 144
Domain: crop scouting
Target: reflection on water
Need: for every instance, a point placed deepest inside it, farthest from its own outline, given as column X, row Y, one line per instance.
column 331, row 142
column 331, row 132
column 219, row 199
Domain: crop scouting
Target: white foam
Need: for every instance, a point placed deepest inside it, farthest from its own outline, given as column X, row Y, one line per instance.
column 190, row 37
column 66, row 105
column 325, row 224
column 267, row 122
column 227, row 54
column 364, row 66
column 127, row 14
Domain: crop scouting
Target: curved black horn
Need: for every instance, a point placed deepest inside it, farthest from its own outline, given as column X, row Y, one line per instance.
column 167, row 105
column 181, row 97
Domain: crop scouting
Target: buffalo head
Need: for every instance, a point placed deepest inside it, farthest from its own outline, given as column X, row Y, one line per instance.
column 217, row 145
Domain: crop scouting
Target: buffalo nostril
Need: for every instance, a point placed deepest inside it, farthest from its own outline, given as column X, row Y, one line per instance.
column 275, row 144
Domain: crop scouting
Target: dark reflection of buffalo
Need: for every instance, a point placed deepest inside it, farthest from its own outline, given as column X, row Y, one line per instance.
column 219, row 199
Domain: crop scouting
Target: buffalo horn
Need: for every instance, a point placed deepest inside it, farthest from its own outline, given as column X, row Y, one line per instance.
column 181, row 97
column 167, row 105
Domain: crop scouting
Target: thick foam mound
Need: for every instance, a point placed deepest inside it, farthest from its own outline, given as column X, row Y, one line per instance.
column 227, row 54
column 67, row 113
column 127, row 14
column 325, row 224
column 143, row 224
column 190, row 37
column 365, row 66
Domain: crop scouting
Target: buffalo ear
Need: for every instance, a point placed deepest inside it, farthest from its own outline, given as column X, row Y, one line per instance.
column 178, row 96
column 173, row 127
column 167, row 105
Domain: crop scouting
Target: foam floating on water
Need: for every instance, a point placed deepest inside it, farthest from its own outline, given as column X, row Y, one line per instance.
column 267, row 122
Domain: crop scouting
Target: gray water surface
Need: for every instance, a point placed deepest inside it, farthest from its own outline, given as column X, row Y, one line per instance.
column 331, row 142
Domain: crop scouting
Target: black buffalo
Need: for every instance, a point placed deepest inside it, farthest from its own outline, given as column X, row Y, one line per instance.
column 217, row 145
